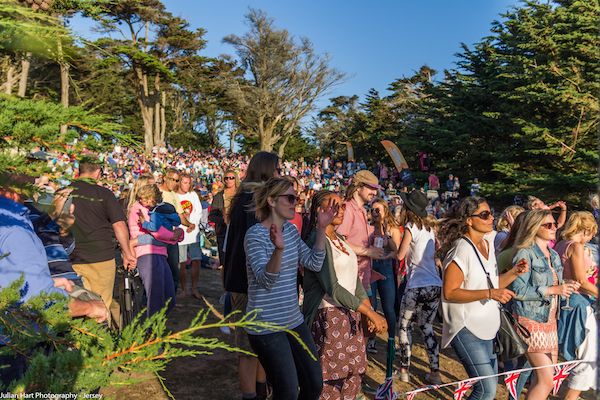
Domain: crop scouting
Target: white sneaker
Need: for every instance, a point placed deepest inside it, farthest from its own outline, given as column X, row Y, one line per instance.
column 404, row 376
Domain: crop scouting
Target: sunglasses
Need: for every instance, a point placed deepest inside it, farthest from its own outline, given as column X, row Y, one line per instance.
column 484, row 215
column 174, row 180
column 229, row 178
column 550, row 225
column 291, row 198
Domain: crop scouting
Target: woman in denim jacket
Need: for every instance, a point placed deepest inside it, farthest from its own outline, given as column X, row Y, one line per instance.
column 537, row 292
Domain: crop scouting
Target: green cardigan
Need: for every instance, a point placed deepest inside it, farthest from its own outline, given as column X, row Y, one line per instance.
column 317, row 284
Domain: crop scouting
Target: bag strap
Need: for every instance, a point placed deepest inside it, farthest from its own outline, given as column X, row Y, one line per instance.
column 487, row 275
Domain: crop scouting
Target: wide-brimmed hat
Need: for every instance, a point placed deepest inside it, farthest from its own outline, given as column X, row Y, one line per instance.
column 366, row 178
column 416, row 201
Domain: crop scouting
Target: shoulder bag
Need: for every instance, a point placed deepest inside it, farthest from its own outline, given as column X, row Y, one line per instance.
column 509, row 341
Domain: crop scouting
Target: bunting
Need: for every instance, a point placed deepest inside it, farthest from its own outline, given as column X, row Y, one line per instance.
column 385, row 391
column 462, row 389
column 511, row 383
column 560, row 374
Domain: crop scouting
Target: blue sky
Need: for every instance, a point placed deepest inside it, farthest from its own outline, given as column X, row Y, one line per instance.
column 373, row 42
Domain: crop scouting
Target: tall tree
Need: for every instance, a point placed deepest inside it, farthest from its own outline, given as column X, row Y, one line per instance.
column 155, row 42
column 284, row 78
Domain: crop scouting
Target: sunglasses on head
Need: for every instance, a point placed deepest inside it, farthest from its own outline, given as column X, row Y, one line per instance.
column 484, row 215
column 550, row 225
column 229, row 178
column 291, row 198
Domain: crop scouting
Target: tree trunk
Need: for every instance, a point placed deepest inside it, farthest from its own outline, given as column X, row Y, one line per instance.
column 146, row 109
column 156, row 100
column 25, row 64
column 10, row 78
column 282, row 146
column 64, row 83
column 232, row 136
column 163, row 119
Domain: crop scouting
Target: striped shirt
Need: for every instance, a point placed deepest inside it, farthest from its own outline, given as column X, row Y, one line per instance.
column 274, row 295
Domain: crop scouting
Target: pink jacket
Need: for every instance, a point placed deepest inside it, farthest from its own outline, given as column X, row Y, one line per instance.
column 164, row 235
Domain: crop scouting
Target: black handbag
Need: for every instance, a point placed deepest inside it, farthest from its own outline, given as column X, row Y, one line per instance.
column 509, row 341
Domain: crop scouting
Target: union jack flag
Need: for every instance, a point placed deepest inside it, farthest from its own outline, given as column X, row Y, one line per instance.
column 385, row 391
column 511, row 383
column 560, row 374
column 462, row 389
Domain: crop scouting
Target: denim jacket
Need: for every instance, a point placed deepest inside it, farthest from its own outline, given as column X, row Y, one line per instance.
column 531, row 287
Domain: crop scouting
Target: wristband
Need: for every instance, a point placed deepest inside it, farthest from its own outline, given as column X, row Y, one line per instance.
column 490, row 293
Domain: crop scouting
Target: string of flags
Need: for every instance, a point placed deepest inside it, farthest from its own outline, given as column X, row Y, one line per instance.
column 561, row 371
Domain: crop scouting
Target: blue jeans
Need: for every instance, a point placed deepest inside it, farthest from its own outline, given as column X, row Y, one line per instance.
column 288, row 365
column 478, row 358
column 387, row 293
column 158, row 282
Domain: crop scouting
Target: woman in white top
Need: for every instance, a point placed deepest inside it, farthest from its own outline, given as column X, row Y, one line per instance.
column 471, row 313
column 423, row 288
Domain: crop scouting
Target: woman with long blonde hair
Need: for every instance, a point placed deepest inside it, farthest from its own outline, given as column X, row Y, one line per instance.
column 273, row 251
column 142, row 180
column 504, row 225
column 537, row 292
column 580, row 323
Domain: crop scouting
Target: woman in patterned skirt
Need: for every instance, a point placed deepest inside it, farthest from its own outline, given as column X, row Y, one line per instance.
column 537, row 294
column 334, row 298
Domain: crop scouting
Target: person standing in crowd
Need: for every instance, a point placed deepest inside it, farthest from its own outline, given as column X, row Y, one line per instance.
column 421, row 297
column 189, row 247
column 578, row 328
column 387, row 233
column 534, row 203
column 142, row 180
column 537, row 292
column 434, row 181
column 334, row 299
column 475, row 187
column 219, row 211
column 262, row 167
column 273, row 251
column 507, row 251
column 470, row 306
column 23, row 256
column 356, row 229
column 450, row 183
column 169, row 195
column 151, row 252
column 504, row 226
column 98, row 215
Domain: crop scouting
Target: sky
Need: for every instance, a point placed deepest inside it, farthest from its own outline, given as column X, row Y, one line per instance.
column 372, row 42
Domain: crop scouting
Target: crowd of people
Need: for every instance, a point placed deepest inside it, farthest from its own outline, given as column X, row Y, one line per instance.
column 318, row 247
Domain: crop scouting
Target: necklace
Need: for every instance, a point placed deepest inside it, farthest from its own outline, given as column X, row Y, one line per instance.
column 339, row 245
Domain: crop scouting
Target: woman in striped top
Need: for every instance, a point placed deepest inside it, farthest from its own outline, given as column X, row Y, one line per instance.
column 273, row 251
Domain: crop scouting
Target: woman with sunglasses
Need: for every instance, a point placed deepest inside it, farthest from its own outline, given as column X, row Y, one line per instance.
column 471, row 314
column 273, row 251
column 578, row 328
column 537, row 294
column 334, row 299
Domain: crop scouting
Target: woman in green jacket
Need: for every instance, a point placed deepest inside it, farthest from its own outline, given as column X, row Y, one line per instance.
column 334, row 298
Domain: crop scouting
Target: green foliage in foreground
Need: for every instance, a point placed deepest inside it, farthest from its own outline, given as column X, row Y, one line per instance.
column 69, row 355
column 29, row 123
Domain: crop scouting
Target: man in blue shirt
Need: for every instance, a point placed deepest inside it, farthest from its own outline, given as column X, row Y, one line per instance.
column 22, row 254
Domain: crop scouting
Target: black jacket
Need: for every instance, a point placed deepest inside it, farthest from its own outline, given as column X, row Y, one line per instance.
column 242, row 217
